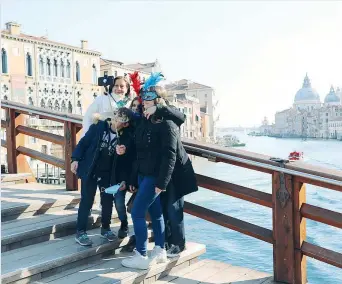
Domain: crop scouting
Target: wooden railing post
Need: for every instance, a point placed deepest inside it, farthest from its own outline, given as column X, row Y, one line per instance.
column 299, row 197
column 11, row 141
column 70, row 143
column 283, row 228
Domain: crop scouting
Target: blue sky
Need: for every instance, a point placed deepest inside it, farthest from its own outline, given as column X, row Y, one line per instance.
column 255, row 54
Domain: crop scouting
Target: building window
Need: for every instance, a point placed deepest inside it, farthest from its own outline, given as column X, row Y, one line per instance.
column 69, row 107
column 48, row 66
column 77, row 72
column 30, row 101
column 94, row 75
column 28, row 64
column 55, row 68
column 105, row 73
column 63, row 108
column 56, row 105
column 4, row 61
column 42, row 103
column 41, row 65
column 115, row 74
column 68, row 69
column 50, row 104
column 62, row 69
column 44, row 149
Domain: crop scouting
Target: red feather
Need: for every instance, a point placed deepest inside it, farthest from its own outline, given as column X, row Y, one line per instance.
column 135, row 78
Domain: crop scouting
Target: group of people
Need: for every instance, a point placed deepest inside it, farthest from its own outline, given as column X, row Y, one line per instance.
column 135, row 144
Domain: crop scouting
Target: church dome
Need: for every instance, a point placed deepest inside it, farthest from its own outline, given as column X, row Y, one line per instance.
column 331, row 97
column 307, row 93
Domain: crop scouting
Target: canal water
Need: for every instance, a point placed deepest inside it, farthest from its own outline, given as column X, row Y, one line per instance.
column 241, row 250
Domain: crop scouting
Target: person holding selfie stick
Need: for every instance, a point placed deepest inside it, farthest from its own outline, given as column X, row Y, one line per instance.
column 117, row 96
column 99, row 161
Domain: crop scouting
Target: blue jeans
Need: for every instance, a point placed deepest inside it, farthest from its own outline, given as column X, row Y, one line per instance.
column 119, row 201
column 147, row 199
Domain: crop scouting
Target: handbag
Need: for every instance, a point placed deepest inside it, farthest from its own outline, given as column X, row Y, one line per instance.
column 130, row 206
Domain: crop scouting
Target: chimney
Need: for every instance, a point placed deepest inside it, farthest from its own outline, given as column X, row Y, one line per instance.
column 84, row 44
column 13, row 28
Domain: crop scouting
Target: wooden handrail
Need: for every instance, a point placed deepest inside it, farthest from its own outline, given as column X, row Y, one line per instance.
column 287, row 201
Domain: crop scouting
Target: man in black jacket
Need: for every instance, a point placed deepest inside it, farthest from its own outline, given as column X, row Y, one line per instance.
column 98, row 165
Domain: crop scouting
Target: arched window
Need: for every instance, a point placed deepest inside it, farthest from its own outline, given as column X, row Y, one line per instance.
column 94, row 75
column 62, row 69
column 78, row 75
column 41, row 65
column 4, row 61
column 63, row 108
column 55, row 67
column 50, row 104
column 56, row 105
column 68, row 69
column 48, row 66
column 28, row 64
column 69, row 107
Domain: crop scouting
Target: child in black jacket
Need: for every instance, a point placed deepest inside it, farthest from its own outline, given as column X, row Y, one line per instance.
column 99, row 161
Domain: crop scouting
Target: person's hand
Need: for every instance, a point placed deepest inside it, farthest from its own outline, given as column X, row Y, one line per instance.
column 132, row 188
column 123, row 186
column 74, row 166
column 120, row 149
column 158, row 190
column 150, row 111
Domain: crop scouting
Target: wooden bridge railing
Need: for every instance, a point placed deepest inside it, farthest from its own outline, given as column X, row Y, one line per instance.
column 288, row 198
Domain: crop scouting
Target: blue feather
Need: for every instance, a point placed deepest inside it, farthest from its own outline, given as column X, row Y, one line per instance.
column 153, row 80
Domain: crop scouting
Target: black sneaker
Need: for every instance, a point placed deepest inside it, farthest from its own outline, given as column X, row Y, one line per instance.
column 174, row 251
column 123, row 231
column 83, row 239
column 108, row 234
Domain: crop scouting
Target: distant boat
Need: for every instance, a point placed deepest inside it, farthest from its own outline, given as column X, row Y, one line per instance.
column 295, row 156
column 229, row 141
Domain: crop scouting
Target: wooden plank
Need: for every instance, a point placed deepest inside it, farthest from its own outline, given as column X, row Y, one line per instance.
column 238, row 191
column 179, row 273
column 322, row 215
column 204, row 274
column 42, row 112
column 70, row 132
column 283, row 223
column 229, row 222
column 14, row 177
column 320, row 183
column 299, row 197
column 322, row 254
column 125, row 275
column 56, row 139
column 234, row 274
column 41, row 156
column 11, row 147
column 46, row 256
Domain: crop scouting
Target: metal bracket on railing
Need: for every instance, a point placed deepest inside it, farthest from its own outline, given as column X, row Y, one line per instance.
column 210, row 158
column 282, row 193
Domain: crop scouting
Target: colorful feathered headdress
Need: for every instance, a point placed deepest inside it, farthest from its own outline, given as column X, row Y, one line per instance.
column 148, row 92
column 135, row 78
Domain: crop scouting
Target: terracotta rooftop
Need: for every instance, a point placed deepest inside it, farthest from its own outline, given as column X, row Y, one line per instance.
column 43, row 39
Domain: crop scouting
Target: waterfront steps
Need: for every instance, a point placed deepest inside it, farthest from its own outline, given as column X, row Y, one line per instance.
column 38, row 246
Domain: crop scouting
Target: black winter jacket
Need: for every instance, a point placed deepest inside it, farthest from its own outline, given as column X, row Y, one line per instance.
column 87, row 153
column 156, row 149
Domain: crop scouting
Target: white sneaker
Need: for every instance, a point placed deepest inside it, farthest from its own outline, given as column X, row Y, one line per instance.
column 158, row 255
column 137, row 261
